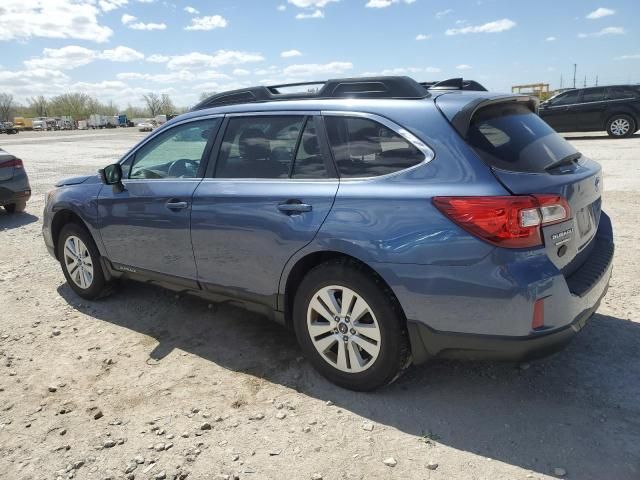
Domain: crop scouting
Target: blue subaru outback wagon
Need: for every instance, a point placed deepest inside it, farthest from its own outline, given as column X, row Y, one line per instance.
column 383, row 220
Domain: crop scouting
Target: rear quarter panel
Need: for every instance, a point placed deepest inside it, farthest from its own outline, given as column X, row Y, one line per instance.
column 391, row 219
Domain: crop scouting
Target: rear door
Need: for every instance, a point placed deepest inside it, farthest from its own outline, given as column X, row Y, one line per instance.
column 591, row 109
column 267, row 193
column 528, row 157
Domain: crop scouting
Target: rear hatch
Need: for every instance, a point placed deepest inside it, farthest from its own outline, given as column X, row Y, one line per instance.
column 529, row 157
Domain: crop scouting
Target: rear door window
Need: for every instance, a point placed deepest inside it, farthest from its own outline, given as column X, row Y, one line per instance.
column 259, row 147
column 593, row 95
column 365, row 148
column 511, row 137
column 309, row 162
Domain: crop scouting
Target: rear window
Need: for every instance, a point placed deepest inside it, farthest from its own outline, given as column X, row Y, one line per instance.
column 621, row 93
column 512, row 137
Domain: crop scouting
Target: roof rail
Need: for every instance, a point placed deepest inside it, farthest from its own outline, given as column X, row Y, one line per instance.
column 454, row 84
column 360, row 87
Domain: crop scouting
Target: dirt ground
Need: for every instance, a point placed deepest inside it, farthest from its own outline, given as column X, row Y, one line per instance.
column 151, row 385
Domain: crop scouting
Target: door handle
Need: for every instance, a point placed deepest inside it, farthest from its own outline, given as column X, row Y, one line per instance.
column 294, row 206
column 176, row 205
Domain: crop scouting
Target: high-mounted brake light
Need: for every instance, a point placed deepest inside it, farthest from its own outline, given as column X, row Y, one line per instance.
column 512, row 221
column 14, row 162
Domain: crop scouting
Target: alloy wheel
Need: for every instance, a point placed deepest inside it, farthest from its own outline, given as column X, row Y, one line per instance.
column 343, row 329
column 620, row 127
column 78, row 262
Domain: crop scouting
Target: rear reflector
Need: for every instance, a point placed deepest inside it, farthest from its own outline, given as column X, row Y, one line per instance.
column 512, row 221
column 538, row 314
column 14, row 162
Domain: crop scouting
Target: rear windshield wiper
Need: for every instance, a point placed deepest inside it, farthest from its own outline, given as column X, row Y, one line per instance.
column 568, row 160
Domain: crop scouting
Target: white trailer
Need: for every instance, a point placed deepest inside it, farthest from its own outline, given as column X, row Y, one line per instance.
column 97, row 121
column 112, row 121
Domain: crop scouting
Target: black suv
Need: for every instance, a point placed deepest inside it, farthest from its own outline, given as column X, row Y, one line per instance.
column 615, row 108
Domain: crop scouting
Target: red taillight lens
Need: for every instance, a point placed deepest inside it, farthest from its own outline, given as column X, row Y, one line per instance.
column 15, row 163
column 507, row 221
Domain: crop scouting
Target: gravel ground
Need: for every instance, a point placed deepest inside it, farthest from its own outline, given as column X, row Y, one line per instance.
column 151, row 385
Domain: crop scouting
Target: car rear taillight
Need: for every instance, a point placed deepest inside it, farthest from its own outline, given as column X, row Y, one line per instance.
column 512, row 221
column 15, row 163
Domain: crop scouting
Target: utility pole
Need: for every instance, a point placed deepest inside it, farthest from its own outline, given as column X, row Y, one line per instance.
column 596, row 80
column 575, row 66
column 561, row 83
column 585, row 81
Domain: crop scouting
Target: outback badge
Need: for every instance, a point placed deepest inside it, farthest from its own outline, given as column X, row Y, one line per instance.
column 562, row 237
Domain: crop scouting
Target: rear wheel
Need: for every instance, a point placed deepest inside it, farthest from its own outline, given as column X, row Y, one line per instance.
column 17, row 207
column 350, row 326
column 80, row 262
column 621, row 126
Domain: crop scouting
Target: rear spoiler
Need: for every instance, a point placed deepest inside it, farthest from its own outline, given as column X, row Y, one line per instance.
column 462, row 120
column 454, row 84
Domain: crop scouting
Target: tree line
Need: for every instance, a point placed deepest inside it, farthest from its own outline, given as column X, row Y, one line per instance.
column 81, row 105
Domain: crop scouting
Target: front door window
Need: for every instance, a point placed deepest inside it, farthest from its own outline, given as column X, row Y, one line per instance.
column 176, row 153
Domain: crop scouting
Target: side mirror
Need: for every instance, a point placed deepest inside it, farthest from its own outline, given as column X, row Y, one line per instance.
column 112, row 175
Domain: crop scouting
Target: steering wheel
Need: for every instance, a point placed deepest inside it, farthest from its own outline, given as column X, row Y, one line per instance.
column 181, row 168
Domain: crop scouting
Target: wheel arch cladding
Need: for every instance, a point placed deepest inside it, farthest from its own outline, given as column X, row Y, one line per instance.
column 60, row 219
column 634, row 117
column 312, row 260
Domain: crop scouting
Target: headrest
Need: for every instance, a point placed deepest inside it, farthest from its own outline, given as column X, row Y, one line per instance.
column 365, row 141
column 310, row 143
column 254, row 145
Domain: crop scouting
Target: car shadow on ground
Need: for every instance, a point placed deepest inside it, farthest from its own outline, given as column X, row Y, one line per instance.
column 15, row 220
column 577, row 410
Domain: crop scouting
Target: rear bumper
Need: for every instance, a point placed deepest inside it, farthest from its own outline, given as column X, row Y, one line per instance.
column 486, row 310
column 18, row 191
column 429, row 343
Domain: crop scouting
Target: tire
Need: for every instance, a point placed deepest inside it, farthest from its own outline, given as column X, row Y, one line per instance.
column 87, row 286
column 17, row 207
column 621, row 126
column 334, row 348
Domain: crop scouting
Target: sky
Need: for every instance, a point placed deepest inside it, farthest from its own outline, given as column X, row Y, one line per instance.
column 117, row 50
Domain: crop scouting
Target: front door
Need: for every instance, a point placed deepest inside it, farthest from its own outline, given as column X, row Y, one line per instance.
column 146, row 226
column 272, row 188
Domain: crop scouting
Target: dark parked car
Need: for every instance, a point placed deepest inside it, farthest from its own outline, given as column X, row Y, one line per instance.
column 384, row 222
column 614, row 109
column 15, row 190
column 8, row 128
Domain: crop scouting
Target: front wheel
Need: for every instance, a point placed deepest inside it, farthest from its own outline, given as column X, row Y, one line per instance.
column 350, row 326
column 80, row 262
column 620, row 126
